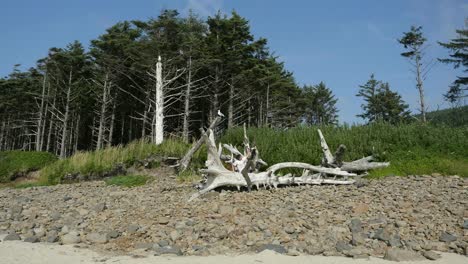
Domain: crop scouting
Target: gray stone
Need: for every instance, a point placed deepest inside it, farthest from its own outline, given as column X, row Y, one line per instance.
column 289, row 230
column 358, row 239
column 465, row 224
column 12, row 237
column 377, row 222
column 400, row 224
column 355, row 225
column 100, row 207
column 51, row 238
column 71, row 238
column 144, row 245
column 55, row 216
column 342, row 246
column 97, row 238
column 277, row 248
column 382, row 234
column 396, row 254
column 163, row 243
column 32, row 239
column 168, row 250
column 174, row 235
column 113, row 234
column 16, row 209
column 395, row 241
column 132, row 228
column 163, row 220
column 447, row 237
column 431, row 255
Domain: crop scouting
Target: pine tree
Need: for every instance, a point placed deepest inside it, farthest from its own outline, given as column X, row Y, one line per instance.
column 381, row 103
column 413, row 41
column 320, row 105
column 458, row 48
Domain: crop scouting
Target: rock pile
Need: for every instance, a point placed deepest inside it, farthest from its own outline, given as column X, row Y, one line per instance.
column 396, row 218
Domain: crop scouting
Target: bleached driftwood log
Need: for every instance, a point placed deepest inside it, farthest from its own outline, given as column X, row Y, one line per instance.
column 332, row 171
column 336, row 161
column 185, row 161
column 217, row 175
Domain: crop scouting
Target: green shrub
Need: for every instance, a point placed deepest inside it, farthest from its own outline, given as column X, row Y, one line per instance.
column 128, row 180
column 15, row 163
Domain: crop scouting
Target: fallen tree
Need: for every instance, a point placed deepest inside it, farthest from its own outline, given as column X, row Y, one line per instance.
column 245, row 165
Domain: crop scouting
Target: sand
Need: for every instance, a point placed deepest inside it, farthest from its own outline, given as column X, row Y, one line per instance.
column 17, row 252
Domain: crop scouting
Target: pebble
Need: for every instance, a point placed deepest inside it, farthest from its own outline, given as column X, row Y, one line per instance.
column 406, row 213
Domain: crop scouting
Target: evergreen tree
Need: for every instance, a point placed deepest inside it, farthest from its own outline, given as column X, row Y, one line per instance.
column 80, row 100
column 458, row 48
column 320, row 105
column 413, row 41
column 381, row 103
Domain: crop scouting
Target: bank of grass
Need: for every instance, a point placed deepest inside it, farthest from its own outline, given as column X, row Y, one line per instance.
column 128, row 180
column 105, row 160
column 410, row 148
column 16, row 163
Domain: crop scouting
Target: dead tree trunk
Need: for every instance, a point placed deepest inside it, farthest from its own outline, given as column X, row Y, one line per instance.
column 159, row 106
column 419, row 85
column 185, row 125
column 40, row 121
column 231, row 104
column 102, row 114
column 63, row 152
column 111, row 128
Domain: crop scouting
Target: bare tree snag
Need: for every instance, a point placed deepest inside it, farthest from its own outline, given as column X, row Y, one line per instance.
column 63, row 152
column 159, row 106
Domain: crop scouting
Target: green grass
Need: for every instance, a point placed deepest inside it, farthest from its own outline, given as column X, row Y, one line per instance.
column 28, row 185
column 128, row 180
column 411, row 149
column 15, row 163
column 101, row 161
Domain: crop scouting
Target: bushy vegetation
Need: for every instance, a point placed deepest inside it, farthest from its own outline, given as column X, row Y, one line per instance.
column 457, row 116
column 411, row 148
column 128, row 180
column 105, row 160
column 15, row 163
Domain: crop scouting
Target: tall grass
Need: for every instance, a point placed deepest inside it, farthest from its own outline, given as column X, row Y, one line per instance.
column 102, row 161
column 411, row 148
column 14, row 163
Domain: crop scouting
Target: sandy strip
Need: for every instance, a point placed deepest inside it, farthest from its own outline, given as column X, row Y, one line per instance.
column 17, row 252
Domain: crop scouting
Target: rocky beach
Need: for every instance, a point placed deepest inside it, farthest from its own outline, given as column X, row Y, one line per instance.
column 395, row 218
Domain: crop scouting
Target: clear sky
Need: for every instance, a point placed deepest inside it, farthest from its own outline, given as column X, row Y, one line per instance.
column 338, row 42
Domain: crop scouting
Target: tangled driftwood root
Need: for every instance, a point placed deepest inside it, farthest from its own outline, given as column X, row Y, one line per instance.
column 245, row 166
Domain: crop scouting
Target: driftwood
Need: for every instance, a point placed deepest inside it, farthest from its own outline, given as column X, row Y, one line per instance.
column 332, row 171
column 185, row 161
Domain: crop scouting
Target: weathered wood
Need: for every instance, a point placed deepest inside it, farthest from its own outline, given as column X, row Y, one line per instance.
column 158, row 125
column 185, row 161
column 327, row 156
column 363, row 165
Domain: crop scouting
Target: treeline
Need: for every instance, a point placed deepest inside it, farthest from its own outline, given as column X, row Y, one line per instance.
column 76, row 99
column 175, row 74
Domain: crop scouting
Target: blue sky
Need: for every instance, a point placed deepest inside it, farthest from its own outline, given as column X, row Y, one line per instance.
column 338, row 42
